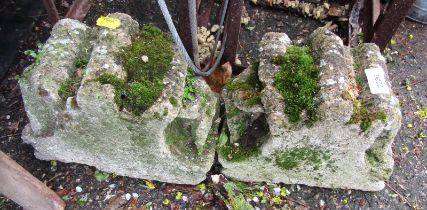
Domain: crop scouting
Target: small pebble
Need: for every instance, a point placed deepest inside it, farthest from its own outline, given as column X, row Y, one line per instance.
column 79, row 189
column 184, row 198
column 255, row 199
column 321, row 203
column 128, row 196
column 215, row 178
column 112, row 185
column 7, row 117
column 135, row 195
column 277, row 190
column 144, row 58
column 215, row 28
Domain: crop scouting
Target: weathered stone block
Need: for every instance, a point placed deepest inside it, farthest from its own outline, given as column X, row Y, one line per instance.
column 348, row 147
column 171, row 141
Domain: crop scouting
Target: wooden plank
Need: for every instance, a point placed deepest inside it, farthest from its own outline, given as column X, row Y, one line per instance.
column 79, row 9
column 387, row 24
column 19, row 185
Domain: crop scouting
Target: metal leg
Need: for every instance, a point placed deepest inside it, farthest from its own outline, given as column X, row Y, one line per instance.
column 51, row 10
column 79, row 9
column 387, row 24
column 232, row 28
column 184, row 27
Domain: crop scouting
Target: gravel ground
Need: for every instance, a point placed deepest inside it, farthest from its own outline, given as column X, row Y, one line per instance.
column 405, row 190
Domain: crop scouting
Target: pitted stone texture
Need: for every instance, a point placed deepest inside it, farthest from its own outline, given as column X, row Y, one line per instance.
column 39, row 86
column 92, row 130
column 345, row 156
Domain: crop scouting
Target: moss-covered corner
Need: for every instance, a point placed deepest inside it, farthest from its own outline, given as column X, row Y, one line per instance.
column 376, row 159
column 181, row 137
column 364, row 115
column 237, row 153
column 252, row 86
column 144, row 83
column 68, row 88
column 301, row 157
column 297, row 82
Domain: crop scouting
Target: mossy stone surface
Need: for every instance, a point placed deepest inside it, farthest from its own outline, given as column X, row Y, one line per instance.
column 293, row 158
column 144, row 82
column 126, row 115
column 297, row 82
column 331, row 152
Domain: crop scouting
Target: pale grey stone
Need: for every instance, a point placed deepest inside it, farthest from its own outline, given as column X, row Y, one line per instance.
column 343, row 156
column 164, row 143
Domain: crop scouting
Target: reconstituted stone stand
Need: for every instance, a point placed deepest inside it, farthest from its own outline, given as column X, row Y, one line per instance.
column 176, row 140
column 331, row 153
column 90, row 129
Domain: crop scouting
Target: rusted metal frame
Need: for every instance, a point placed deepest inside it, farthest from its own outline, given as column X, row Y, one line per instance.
column 232, row 29
column 376, row 11
column 354, row 26
column 204, row 12
column 79, row 9
column 367, row 20
column 388, row 23
column 184, row 27
column 51, row 10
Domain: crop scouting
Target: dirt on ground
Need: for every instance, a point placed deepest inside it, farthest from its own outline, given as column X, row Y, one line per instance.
column 83, row 187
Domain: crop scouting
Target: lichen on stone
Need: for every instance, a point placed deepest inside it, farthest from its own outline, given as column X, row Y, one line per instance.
column 306, row 156
column 297, row 82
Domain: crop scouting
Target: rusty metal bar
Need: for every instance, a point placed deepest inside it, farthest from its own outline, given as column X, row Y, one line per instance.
column 79, row 9
column 387, row 24
column 368, row 25
column 51, row 10
column 204, row 12
column 184, row 27
column 232, row 29
column 376, row 11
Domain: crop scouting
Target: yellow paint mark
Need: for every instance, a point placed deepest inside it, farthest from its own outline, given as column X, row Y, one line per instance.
column 108, row 22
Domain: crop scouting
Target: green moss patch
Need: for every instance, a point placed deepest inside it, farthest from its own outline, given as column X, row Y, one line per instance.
column 364, row 116
column 68, row 88
column 294, row 158
column 252, row 86
column 237, row 153
column 189, row 89
column 144, row 83
column 297, row 82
